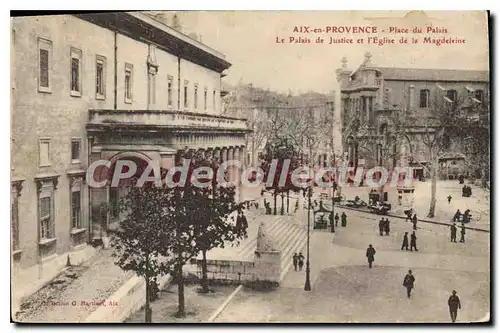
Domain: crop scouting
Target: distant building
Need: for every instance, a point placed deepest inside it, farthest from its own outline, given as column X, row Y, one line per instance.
column 372, row 95
column 107, row 86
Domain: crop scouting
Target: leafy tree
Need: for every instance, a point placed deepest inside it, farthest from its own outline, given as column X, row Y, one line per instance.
column 138, row 242
column 212, row 205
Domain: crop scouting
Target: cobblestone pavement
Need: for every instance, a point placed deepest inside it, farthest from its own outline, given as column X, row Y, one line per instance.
column 70, row 296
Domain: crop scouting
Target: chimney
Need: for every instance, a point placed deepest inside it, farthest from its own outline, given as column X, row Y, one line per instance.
column 176, row 23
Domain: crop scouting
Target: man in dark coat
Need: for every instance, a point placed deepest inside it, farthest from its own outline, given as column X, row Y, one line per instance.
column 415, row 221
column 462, row 234
column 413, row 242
column 370, row 254
column 300, row 258
column 295, row 261
column 449, row 199
column 453, row 230
column 454, row 305
column 337, row 219
column 408, row 282
column 381, row 226
column 344, row 219
column 456, row 217
column 405, row 242
column 387, row 226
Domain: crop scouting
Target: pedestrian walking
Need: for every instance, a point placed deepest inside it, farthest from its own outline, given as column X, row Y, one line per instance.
column 387, row 226
column 449, row 199
column 344, row 219
column 405, row 242
column 400, row 199
column 454, row 305
column 453, row 230
column 336, row 219
column 462, row 234
column 415, row 222
column 413, row 242
column 408, row 215
column 381, row 226
column 370, row 254
column 301, row 261
column 409, row 282
column 295, row 259
column 456, row 217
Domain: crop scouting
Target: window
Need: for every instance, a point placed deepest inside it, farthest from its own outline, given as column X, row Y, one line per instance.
column 76, row 209
column 44, row 65
column 114, row 201
column 44, row 152
column 15, row 222
column 452, row 95
column 75, row 150
column 129, row 69
column 46, row 225
column 170, row 85
column 186, row 94
column 205, row 94
column 76, row 84
column 213, row 100
column 479, row 95
column 424, row 98
column 195, row 96
column 100, row 78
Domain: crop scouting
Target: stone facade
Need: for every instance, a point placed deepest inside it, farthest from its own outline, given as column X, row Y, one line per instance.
column 101, row 86
column 371, row 96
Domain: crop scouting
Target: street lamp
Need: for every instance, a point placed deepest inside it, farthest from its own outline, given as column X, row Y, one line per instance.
column 307, row 286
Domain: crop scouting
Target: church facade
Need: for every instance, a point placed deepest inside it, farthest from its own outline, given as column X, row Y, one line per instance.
column 372, row 97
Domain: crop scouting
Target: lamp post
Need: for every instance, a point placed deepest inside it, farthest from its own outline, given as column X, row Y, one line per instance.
column 307, row 286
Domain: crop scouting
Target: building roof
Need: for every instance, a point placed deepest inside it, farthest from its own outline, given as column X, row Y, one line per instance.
column 420, row 74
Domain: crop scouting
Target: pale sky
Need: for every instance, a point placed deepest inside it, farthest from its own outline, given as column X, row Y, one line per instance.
column 248, row 39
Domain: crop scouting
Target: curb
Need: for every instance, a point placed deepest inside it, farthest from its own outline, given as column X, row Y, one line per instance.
column 419, row 220
column 223, row 306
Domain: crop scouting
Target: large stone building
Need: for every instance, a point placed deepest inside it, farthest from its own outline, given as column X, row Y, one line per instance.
column 306, row 120
column 373, row 96
column 93, row 87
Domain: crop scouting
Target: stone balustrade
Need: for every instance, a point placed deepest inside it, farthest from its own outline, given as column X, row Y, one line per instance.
column 166, row 118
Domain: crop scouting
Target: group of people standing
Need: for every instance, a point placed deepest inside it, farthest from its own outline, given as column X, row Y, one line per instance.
column 344, row 219
column 298, row 261
column 384, row 226
column 413, row 219
column 453, row 230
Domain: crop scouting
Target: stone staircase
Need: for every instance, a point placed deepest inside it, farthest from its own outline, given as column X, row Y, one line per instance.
column 287, row 236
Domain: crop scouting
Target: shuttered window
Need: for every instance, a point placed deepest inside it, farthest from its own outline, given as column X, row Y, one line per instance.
column 44, row 68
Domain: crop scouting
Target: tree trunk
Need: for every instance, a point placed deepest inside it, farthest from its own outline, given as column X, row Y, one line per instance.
column 181, row 312
column 275, row 203
column 147, row 311
column 204, row 277
column 282, row 204
column 483, row 177
column 287, row 202
column 434, row 168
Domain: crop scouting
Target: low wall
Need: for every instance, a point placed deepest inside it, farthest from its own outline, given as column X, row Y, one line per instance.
column 131, row 297
column 265, row 267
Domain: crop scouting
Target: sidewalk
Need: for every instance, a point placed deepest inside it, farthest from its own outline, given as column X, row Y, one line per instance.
column 444, row 211
column 71, row 296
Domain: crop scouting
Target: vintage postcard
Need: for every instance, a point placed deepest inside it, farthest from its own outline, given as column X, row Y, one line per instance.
column 250, row 166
